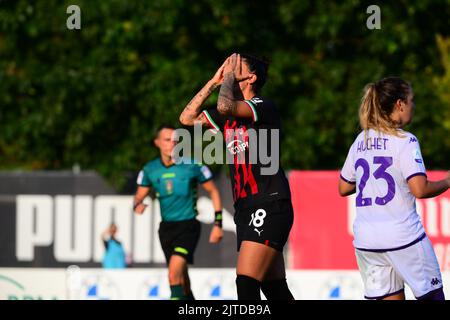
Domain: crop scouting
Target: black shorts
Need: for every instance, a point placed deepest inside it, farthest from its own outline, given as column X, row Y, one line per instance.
column 180, row 238
column 268, row 223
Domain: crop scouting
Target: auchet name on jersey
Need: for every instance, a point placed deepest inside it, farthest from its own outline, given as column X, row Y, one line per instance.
column 372, row 143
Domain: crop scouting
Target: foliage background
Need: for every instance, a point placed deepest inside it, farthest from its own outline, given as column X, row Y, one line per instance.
column 94, row 96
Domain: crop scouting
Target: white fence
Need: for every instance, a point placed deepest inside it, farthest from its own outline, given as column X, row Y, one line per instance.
column 141, row 284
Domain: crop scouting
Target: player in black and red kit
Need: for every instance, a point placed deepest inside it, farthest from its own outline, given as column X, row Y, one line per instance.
column 264, row 213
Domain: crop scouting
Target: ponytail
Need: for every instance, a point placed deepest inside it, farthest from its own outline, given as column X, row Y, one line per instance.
column 378, row 104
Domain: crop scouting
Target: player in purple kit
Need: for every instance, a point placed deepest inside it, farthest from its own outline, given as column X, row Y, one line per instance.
column 263, row 209
column 385, row 168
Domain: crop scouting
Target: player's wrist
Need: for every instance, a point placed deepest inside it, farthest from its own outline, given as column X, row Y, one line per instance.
column 213, row 84
column 136, row 205
column 218, row 218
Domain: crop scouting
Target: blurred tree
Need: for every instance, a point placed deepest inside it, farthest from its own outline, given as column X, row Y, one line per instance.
column 94, row 96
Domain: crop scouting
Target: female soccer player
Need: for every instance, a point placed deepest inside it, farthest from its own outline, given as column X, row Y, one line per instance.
column 385, row 168
column 263, row 209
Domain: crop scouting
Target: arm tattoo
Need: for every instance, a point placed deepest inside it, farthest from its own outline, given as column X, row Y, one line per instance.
column 193, row 108
column 226, row 103
column 202, row 119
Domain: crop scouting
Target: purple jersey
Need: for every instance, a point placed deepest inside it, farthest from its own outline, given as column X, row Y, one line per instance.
column 380, row 165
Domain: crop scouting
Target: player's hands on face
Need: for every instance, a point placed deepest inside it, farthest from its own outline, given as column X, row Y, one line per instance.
column 239, row 74
column 218, row 77
column 140, row 208
column 216, row 234
column 230, row 64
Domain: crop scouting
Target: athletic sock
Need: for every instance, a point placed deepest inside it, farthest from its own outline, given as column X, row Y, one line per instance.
column 248, row 288
column 190, row 296
column 276, row 290
column 177, row 292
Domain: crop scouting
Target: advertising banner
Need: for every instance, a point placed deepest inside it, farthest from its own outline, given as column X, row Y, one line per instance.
column 76, row 283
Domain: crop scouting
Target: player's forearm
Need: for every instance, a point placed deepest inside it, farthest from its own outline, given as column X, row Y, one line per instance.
column 194, row 107
column 138, row 198
column 347, row 192
column 226, row 103
column 346, row 189
column 217, row 204
column 433, row 189
column 215, row 198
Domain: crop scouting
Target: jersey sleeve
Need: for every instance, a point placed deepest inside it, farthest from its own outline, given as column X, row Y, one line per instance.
column 215, row 120
column 143, row 180
column 202, row 173
column 411, row 160
column 263, row 111
column 348, row 170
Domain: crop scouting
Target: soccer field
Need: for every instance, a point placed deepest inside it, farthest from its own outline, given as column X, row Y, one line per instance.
column 248, row 137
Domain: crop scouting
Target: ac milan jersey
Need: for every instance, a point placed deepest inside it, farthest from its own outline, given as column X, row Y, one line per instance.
column 381, row 165
column 245, row 140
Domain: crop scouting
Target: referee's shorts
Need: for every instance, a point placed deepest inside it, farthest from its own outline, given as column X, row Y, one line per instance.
column 179, row 238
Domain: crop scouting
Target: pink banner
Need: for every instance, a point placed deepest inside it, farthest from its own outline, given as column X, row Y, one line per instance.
column 321, row 237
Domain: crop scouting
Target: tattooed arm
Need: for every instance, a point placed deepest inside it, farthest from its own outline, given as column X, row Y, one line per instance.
column 192, row 112
column 227, row 103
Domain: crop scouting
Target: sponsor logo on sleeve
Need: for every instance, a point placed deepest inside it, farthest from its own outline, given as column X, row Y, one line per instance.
column 417, row 156
column 140, row 177
column 206, row 172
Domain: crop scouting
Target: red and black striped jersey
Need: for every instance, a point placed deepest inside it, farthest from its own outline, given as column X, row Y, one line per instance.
column 253, row 153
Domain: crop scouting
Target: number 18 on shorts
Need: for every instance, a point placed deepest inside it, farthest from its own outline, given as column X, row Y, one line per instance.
column 268, row 223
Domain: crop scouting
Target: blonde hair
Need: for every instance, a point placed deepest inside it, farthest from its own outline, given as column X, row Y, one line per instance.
column 378, row 104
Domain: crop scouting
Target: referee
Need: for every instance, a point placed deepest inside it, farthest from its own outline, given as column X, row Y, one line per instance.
column 175, row 185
